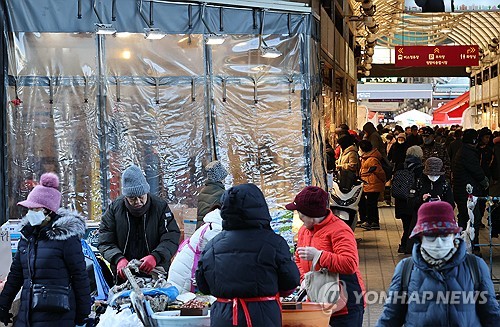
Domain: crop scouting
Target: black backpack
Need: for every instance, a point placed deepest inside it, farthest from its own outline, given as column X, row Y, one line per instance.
column 387, row 166
column 402, row 183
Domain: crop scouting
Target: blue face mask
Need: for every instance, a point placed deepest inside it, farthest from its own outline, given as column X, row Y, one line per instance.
column 35, row 218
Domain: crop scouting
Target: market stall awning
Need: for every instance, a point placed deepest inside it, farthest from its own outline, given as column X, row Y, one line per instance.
column 451, row 113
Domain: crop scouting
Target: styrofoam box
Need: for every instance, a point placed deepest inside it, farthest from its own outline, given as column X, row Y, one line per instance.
column 165, row 319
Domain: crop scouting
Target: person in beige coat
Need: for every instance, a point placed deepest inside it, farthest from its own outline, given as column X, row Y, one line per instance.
column 349, row 158
column 373, row 177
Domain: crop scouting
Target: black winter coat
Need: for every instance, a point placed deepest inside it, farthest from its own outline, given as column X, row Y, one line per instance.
column 405, row 208
column 441, row 188
column 397, row 155
column 247, row 259
column 54, row 256
column 467, row 171
column 161, row 233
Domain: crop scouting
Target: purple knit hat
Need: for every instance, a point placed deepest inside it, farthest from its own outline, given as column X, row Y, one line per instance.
column 436, row 218
column 46, row 195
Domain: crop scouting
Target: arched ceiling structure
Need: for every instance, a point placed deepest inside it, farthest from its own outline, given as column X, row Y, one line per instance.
column 399, row 28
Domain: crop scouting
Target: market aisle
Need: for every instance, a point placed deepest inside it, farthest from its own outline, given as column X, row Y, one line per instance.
column 378, row 258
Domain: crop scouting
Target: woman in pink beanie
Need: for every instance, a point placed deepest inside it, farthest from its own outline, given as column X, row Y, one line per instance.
column 49, row 257
column 440, row 285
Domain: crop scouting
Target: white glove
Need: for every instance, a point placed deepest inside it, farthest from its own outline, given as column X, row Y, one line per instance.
column 308, row 253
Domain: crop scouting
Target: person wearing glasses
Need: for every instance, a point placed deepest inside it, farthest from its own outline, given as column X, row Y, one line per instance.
column 138, row 225
column 440, row 284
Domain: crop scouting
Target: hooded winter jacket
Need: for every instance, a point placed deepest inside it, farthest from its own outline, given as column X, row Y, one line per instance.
column 340, row 255
column 246, row 260
column 50, row 255
column 374, row 180
column 429, row 288
column 160, row 236
column 184, row 265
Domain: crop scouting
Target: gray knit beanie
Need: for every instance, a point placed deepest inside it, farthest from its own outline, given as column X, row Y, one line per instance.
column 216, row 171
column 415, row 151
column 133, row 182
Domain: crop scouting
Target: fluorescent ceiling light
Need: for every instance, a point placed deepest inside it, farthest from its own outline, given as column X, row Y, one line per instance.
column 446, row 30
column 153, row 34
column 270, row 52
column 105, row 29
column 214, row 39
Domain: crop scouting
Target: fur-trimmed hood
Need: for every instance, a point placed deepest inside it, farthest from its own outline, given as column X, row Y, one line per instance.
column 67, row 224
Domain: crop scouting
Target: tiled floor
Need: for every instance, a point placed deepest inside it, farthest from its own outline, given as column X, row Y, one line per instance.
column 378, row 257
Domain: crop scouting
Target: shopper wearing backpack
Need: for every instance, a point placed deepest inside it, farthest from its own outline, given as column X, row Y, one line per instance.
column 440, row 284
column 404, row 192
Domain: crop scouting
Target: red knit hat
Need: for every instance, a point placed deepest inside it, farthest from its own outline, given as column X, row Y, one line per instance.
column 312, row 201
column 436, row 218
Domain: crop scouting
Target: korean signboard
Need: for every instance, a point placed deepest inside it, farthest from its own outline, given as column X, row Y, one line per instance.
column 451, row 5
column 437, row 56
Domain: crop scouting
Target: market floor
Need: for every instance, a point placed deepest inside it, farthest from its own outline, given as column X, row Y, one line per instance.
column 378, row 254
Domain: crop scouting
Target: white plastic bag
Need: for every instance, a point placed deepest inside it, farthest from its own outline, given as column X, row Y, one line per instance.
column 124, row 318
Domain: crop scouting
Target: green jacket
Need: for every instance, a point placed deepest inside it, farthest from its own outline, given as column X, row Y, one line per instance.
column 209, row 195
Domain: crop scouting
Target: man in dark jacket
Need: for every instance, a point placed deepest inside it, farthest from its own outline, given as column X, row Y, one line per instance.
column 247, row 264
column 375, row 139
column 431, row 148
column 214, row 188
column 468, row 171
column 414, row 138
column 138, row 225
column 454, row 146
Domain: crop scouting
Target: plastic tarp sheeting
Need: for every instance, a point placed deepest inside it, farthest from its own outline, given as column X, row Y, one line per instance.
column 55, row 126
column 91, row 105
column 258, row 116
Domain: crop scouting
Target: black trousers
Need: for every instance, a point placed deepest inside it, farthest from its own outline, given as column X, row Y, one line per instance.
column 406, row 220
column 368, row 209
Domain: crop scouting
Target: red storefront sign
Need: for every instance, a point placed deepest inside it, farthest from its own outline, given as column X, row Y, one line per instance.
column 437, row 56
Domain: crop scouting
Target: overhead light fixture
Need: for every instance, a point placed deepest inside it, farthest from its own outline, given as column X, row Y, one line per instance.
column 214, row 39
column 105, row 29
column 153, row 34
column 445, row 30
column 270, row 52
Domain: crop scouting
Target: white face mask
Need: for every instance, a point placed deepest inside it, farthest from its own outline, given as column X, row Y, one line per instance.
column 438, row 247
column 433, row 178
column 35, row 218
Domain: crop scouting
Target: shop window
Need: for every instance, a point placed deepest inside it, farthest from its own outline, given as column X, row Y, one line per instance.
column 494, row 71
column 472, row 81
column 486, row 74
column 479, row 80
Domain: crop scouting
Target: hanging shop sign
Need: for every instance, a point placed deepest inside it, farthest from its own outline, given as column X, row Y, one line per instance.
column 451, row 5
column 437, row 56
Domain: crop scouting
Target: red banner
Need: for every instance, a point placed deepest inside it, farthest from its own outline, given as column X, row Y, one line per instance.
column 437, row 56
